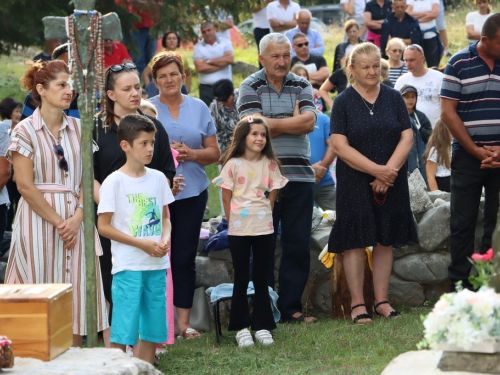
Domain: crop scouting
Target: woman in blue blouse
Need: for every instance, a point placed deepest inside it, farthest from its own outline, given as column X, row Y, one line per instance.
column 192, row 132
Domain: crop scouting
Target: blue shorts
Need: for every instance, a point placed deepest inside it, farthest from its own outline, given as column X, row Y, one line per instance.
column 139, row 307
column 440, row 18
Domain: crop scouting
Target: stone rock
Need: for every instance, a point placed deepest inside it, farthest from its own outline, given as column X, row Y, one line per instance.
column 464, row 361
column 317, row 218
column 438, row 194
column 434, row 292
column 201, row 246
column 3, row 268
column 434, row 227
column 407, row 292
column 244, row 69
column 405, row 250
column 211, row 272
column 221, row 254
column 422, row 362
column 322, row 297
column 424, row 268
column 77, row 361
column 439, row 202
column 319, row 238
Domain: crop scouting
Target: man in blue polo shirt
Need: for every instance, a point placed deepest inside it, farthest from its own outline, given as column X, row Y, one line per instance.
column 400, row 24
column 470, row 109
column 286, row 103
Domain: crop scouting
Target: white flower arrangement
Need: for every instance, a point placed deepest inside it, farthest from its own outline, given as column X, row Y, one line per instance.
column 464, row 321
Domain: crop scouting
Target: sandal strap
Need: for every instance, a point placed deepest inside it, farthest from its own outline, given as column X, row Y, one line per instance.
column 361, row 316
column 354, row 307
column 381, row 303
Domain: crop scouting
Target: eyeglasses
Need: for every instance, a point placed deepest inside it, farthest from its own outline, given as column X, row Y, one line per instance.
column 120, row 67
column 415, row 47
column 300, row 45
column 63, row 164
column 397, row 50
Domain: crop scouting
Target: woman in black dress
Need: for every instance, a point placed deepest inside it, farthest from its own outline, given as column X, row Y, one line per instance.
column 372, row 137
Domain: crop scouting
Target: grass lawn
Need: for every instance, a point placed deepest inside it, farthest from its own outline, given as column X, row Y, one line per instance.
column 326, row 347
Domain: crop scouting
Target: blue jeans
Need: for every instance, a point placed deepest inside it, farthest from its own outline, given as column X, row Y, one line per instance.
column 294, row 208
column 146, row 46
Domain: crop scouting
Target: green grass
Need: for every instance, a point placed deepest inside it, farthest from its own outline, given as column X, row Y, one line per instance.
column 327, row 347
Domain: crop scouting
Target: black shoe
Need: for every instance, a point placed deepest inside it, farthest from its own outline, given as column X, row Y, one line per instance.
column 393, row 314
column 357, row 318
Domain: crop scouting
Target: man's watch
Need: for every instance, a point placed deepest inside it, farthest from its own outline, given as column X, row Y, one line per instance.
column 281, row 23
column 208, row 61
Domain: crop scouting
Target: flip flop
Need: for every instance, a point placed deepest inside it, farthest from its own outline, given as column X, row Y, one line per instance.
column 190, row 333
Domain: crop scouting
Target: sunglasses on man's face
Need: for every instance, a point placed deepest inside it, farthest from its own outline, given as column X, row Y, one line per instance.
column 415, row 47
column 300, row 45
column 63, row 164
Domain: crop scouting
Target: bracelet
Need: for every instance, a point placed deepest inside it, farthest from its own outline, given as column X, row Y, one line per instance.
column 79, row 206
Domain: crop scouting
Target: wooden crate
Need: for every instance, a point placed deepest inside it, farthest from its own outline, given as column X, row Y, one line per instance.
column 37, row 318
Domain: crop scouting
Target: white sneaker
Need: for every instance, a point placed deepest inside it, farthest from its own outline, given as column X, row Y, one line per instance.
column 244, row 338
column 264, row 337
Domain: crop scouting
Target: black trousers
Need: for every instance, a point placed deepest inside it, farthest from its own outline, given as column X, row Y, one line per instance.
column 431, row 51
column 444, row 183
column 467, row 182
column 262, row 248
column 258, row 35
column 294, row 209
column 207, row 94
column 186, row 216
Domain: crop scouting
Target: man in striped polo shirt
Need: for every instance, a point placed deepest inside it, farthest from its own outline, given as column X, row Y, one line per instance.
column 470, row 108
column 285, row 102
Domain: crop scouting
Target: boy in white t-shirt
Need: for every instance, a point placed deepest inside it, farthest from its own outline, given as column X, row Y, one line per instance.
column 133, row 215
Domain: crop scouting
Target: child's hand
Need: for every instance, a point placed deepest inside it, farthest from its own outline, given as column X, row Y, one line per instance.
column 165, row 242
column 152, row 248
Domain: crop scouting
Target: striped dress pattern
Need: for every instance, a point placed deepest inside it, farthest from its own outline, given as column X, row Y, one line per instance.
column 37, row 254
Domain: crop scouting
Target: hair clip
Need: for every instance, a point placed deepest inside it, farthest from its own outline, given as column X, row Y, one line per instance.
column 250, row 119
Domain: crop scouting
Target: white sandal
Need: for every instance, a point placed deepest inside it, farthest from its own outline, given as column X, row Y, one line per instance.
column 264, row 337
column 244, row 338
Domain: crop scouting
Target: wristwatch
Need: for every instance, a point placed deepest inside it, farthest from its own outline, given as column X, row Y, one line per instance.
column 208, row 61
column 79, row 206
column 281, row 23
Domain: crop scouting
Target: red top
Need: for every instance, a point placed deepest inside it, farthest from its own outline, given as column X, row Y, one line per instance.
column 119, row 54
column 146, row 17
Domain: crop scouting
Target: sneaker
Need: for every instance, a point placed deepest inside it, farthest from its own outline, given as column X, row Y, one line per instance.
column 264, row 337
column 129, row 351
column 244, row 338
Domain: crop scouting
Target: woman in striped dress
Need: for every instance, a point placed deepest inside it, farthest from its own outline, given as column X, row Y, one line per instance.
column 47, row 239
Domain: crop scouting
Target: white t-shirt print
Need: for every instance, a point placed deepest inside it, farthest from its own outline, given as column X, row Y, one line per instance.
column 137, row 207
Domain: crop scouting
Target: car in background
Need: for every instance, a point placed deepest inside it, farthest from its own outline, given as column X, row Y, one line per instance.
column 330, row 14
column 316, row 24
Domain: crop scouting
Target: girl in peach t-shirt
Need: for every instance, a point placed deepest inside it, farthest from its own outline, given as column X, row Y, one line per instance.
column 249, row 179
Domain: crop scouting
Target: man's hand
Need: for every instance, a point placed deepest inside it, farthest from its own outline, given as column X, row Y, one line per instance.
column 296, row 110
column 493, row 160
column 320, row 171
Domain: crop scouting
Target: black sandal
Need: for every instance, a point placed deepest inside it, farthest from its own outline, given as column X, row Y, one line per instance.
column 360, row 316
column 393, row 314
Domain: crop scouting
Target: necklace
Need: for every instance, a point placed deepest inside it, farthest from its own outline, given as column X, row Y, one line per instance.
column 366, row 105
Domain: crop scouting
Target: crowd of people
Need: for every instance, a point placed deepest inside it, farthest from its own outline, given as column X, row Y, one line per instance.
column 396, row 112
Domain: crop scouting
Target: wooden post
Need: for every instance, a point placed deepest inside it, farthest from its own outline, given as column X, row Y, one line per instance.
column 341, row 297
column 55, row 27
